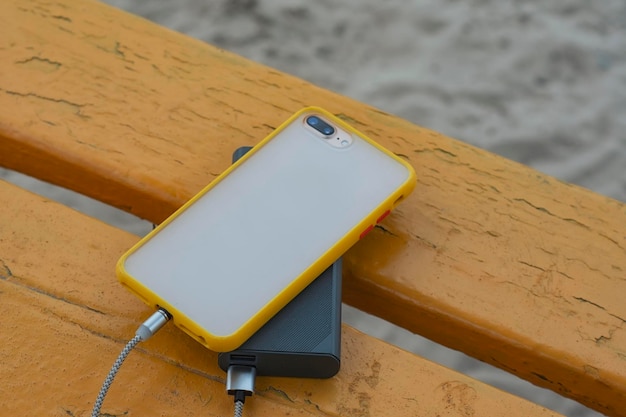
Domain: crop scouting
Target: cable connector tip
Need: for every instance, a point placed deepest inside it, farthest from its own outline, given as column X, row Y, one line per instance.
column 153, row 324
column 240, row 381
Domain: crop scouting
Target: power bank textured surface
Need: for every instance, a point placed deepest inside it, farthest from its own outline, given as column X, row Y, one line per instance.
column 271, row 210
column 304, row 338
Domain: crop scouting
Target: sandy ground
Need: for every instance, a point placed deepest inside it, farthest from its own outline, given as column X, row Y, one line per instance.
column 543, row 83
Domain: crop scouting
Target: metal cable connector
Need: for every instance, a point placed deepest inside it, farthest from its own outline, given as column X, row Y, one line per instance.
column 240, row 384
column 153, row 324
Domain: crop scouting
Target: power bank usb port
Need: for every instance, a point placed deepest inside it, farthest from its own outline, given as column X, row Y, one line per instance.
column 242, row 359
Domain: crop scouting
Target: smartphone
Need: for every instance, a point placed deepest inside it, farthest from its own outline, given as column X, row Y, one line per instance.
column 236, row 253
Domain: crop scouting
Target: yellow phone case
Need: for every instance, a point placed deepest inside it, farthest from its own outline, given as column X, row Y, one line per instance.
column 241, row 249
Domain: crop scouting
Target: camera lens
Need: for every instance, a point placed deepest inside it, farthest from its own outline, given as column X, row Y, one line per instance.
column 320, row 125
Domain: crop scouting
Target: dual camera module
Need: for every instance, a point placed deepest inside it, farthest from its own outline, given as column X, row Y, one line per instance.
column 333, row 136
column 320, row 125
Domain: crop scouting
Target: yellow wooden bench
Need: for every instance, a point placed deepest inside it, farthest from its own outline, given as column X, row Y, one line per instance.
column 487, row 256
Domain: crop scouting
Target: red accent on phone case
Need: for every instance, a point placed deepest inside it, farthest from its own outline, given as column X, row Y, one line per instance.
column 366, row 231
column 385, row 214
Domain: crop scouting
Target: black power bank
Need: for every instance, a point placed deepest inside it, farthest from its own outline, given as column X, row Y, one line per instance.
column 304, row 338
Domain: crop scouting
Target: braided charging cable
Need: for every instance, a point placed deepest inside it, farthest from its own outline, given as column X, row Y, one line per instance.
column 238, row 408
column 109, row 379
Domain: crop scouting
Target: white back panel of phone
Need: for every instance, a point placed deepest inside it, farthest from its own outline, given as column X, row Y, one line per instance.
column 228, row 254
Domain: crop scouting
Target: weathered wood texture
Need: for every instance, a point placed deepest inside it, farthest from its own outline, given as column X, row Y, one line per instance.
column 486, row 256
column 64, row 318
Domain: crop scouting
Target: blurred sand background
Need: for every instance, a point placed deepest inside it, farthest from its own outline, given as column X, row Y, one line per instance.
column 543, row 83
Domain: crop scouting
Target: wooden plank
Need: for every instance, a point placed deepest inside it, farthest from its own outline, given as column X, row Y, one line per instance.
column 487, row 256
column 64, row 319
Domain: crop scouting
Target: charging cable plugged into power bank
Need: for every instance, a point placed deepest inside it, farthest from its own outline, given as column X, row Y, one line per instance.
column 303, row 340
